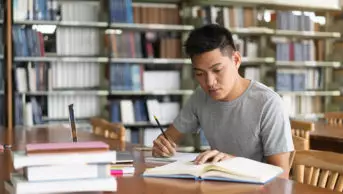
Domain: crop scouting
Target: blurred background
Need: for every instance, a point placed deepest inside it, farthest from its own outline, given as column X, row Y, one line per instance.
column 124, row 60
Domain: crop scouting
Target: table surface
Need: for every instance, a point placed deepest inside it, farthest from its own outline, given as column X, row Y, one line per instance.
column 137, row 184
column 323, row 130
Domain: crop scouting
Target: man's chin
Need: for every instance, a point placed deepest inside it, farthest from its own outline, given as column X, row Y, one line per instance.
column 216, row 96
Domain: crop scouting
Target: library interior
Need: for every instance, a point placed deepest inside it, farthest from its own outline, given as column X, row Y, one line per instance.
column 78, row 113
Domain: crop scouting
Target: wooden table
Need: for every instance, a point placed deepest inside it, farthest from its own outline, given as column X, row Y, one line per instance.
column 327, row 137
column 137, row 184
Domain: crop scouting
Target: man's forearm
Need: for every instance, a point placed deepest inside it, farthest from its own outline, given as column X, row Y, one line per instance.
column 281, row 160
column 173, row 133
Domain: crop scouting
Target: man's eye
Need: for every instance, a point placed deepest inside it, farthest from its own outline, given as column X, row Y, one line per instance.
column 198, row 73
column 216, row 70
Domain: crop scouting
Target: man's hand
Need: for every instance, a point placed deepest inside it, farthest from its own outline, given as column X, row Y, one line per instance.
column 211, row 155
column 163, row 147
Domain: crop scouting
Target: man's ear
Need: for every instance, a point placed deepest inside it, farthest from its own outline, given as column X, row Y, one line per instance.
column 237, row 59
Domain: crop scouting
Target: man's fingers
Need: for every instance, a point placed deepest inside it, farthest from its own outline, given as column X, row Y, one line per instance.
column 198, row 158
column 156, row 152
column 218, row 157
column 168, row 144
column 206, row 156
column 160, row 146
column 164, row 146
column 221, row 156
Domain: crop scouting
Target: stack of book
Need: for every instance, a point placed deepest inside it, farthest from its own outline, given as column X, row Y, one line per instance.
column 63, row 167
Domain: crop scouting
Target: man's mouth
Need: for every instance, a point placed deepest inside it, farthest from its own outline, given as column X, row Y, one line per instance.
column 213, row 90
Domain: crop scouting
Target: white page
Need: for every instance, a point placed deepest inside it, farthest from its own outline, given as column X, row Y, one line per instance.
column 179, row 156
column 176, row 168
column 250, row 168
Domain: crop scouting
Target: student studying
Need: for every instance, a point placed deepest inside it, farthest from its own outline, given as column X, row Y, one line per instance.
column 239, row 117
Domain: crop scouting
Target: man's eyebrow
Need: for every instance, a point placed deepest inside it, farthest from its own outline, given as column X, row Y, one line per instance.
column 215, row 65
column 212, row 66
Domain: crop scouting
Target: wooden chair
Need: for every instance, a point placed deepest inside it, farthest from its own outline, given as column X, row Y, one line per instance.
column 334, row 118
column 302, row 128
column 301, row 136
column 104, row 128
column 300, row 143
column 319, row 168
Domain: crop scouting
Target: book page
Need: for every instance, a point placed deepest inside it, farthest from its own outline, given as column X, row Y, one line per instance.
column 245, row 167
column 177, row 168
column 179, row 156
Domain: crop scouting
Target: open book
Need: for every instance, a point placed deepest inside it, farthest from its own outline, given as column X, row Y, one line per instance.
column 236, row 170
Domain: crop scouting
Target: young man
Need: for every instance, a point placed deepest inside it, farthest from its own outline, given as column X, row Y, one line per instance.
column 239, row 117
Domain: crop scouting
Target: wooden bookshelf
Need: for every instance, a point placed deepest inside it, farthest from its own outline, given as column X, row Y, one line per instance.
column 102, row 27
column 171, row 32
column 266, row 33
column 316, row 5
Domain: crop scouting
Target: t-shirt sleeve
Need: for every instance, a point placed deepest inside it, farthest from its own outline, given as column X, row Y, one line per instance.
column 275, row 128
column 187, row 119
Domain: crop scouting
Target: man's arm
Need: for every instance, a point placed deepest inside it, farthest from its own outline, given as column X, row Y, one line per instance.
column 276, row 135
column 186, row 121
column 173, row 133
column 281, row 160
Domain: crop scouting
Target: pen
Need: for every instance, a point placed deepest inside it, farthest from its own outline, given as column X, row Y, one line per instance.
column 159, row 125
column 72, row 122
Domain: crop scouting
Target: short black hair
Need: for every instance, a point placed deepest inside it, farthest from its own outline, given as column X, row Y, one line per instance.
column 208, row 38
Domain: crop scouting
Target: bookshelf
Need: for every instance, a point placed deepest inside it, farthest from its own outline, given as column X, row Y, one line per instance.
column 96, row 55
column 280, row 29
column 104, row 44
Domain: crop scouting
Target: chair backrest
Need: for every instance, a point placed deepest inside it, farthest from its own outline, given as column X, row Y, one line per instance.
column 302, row 128
column 104, row 128
column 319, row 168
column 300, row 143
column 334, row 118
column 291, row 159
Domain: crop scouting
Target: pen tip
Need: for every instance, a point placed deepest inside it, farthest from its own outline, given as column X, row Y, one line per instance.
column 155, row 117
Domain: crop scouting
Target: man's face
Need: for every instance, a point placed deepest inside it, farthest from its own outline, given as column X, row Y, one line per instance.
column 216, row 73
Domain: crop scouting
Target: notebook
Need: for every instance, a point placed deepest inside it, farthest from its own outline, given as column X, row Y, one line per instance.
column 236, row 169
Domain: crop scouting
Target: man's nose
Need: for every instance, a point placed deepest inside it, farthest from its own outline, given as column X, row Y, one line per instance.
column 210, row 80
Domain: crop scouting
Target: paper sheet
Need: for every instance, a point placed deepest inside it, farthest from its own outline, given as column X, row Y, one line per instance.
column 179, row 156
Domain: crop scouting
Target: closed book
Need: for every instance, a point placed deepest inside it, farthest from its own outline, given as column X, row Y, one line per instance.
column 66, row 147
column 21, row 185
column 20, row 159
column 67, row 172
column 236, row 169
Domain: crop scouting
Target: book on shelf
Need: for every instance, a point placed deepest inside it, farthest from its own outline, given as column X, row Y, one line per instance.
column 298, row 80
column 236, row 169
column 303, row 105
column 227, row 16
column 137, row 111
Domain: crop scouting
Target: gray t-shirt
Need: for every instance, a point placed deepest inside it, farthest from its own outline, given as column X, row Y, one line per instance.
column 254, row 125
